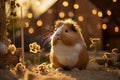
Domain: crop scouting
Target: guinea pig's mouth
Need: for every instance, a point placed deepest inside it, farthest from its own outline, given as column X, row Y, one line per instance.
column 58, row 36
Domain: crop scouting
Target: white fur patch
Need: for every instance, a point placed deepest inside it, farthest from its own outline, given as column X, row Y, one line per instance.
column 59, row 29
column 67, row 55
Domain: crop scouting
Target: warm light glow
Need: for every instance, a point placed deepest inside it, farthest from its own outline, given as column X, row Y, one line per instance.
column 61, row 14
column 71, row 14
column 109, row 12
column 76, row 6
column 80, row 18
column 100, row 14
column 37, row 3
column 39, row 23
column 104, row 26
column 65, row 3
column 50, row 11
column 26, row 24
column 114, row 0
column 30, row 15
column 94, row 12
column 31, row 30
column 116, row 29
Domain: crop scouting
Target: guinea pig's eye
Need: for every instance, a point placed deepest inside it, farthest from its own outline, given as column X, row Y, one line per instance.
column 66, row 31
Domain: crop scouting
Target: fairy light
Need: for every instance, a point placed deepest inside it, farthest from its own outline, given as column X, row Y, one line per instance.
column 100, row 14
column 114, row 1
column 61, row 14
column 65, row 3
column 71, row 14
column 31, row 30
column 50, row 11
column 39, row 23
column 26, row 24
column 80, row 18
column 109, row 12
column 76, row 6
column 116, row 29
column 94, row 12
column 104, row 26
column 30, row 15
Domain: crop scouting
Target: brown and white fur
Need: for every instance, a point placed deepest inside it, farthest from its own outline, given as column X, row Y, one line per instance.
column 68, row 49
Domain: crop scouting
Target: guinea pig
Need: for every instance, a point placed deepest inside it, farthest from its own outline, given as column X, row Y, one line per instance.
column 68, row 48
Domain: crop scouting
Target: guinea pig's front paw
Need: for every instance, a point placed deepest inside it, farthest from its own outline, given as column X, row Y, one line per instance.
column 75, row 69
column 59, row 69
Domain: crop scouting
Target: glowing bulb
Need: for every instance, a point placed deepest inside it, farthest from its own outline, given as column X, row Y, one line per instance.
column 30, row 15
column 71, row 14
column 109, row 12
column 76, row 6
column 116, row 29
column 26, row 24
column 114, row 0
column 61, row 14
column 31, row 30
column 80, row 18
column 50, row 11
column 94, row 12
column 104, row 26
column 100, row 14
column 65, row 3
column 39, row 23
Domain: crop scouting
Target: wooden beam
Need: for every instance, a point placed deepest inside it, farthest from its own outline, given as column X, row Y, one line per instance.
column 2, row 19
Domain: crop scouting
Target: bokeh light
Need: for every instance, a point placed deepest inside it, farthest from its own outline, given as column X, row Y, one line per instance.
column 50, row 11
column 30, row 15
column 26, row 24
column 81, row 18
column 61, row 14
column 109, row 12
column 116, row 29
column 70, row 14
column 104, row 26
column 31, row 30
column 39, row 23
column 114, row 0
column 65, row 3
column 100, row 14
column 76, row 6
column 94, row 12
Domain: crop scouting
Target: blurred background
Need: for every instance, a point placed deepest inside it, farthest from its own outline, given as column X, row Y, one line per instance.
column 97, row 19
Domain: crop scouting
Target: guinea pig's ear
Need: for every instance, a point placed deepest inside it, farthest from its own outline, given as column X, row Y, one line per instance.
column 73, row 28
column 58, row 23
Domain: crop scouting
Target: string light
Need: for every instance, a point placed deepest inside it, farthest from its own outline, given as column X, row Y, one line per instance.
column 39, row 23
column 109, row 12
column 116, row 29
column 31, row 30
column 114, row 1
column 26, row 24
column 61, row 14
column 76, row 6
column 80, row 18
column 50, row 11
column 65, row 3
column 100, row 14
column 71, row 14
column 104, row 26
column 94, row 12
column 30, row 15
